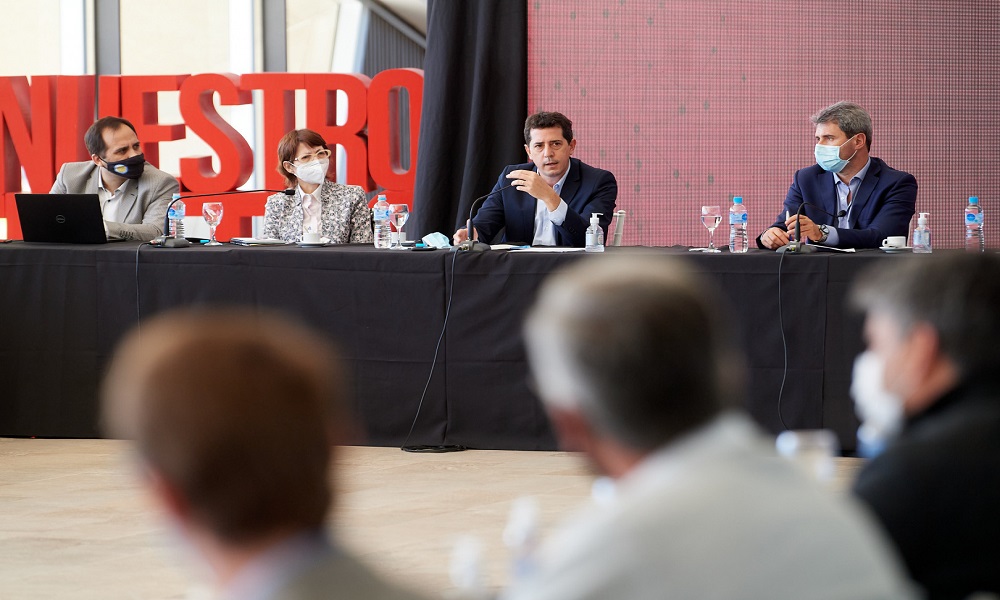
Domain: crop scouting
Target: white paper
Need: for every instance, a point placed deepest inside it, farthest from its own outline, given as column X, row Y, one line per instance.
column 544, row 249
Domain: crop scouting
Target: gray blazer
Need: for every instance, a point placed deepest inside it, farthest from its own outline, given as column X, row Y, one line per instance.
column 146, row 198
column 336, row 576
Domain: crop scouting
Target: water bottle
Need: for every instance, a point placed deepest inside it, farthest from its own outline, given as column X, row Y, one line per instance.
column 176, row 216
column 738, row 227
column 380, row 214
column 922, row 235
column 595, row 235
column 975, row 241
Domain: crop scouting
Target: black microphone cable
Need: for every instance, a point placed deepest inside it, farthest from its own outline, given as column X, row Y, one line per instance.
column 781, row 321
column 138, row 312
column 784, row 345
column 437, row 348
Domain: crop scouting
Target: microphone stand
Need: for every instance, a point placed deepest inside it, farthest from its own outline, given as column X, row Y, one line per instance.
column 169, row 241
column 471, row 245
column 798, row 246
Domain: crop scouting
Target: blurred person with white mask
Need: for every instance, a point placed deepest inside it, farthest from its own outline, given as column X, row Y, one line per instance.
column 929, row 383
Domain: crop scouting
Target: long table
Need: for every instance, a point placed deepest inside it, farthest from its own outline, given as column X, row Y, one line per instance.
column 63, row 308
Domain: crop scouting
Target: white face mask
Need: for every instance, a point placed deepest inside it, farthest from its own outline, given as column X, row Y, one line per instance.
column 880, row 411
column 313, row 172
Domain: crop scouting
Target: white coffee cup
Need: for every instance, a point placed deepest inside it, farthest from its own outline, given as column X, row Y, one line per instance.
column 311, row 238
column 894, row 241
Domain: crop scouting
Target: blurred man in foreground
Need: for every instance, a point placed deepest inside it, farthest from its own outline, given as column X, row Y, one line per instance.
column 633, row 364
column 932, row 327
column 234, row 416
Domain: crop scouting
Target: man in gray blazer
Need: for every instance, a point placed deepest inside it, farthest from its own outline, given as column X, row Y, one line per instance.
column 236, row 448
column 134, row 194
column 635, row 367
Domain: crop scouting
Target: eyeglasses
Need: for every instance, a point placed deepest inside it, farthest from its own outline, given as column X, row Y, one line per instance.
column 318, row 155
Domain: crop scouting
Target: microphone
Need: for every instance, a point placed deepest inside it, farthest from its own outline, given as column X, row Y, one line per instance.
column 470, row 244
column 798, row 247
column 168, row 241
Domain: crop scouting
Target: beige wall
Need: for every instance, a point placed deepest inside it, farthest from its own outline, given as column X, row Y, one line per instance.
column 30, row 44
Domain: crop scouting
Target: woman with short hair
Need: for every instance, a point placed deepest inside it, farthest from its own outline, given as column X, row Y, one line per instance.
column 339, row 213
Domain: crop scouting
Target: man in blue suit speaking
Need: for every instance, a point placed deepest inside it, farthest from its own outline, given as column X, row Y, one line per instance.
column 548, row 201
column 853, row 200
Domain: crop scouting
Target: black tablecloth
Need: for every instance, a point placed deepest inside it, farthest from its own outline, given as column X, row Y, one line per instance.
column 64, row 307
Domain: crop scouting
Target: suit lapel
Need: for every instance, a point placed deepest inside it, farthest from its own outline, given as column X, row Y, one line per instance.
column 864, row 193
column 95, row 182
column 129, row 200
column 572, row 185
column 523, row 230
column 827, row 200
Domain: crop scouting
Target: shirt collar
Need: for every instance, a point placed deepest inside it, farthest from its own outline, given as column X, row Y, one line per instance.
column 860, row 175
column 278, row 565
column 562, row 180
column 101, row 186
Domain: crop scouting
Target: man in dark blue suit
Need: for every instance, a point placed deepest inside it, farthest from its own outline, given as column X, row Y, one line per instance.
column 857, row 200
column 548, row 201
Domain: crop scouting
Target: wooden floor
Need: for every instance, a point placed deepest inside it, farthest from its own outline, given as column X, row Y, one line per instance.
column 74, row 523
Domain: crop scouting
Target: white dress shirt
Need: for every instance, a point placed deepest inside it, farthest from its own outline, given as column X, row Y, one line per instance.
column 312, row 210
column 111, row 201
column 546, row 221
column 846, row 193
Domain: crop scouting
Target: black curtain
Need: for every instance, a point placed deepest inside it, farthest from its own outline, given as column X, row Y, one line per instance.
column 474, row 106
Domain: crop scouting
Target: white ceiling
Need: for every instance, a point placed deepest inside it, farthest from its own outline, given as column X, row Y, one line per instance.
column 413, row 12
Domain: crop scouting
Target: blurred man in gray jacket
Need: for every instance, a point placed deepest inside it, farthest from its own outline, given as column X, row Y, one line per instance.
column 634, row 364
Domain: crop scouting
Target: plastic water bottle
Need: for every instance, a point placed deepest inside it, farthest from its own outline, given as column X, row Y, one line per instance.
column 595, row 235
column 922, row 235
column 975, row 241
column 380, row 214
column 738, row 227
column 176, row 217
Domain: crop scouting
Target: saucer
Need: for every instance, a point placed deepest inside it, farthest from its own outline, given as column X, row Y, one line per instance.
column 325, row 241
column 893, row 249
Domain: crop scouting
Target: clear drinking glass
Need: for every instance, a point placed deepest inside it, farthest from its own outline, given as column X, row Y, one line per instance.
column 711, row 216
column 399, row 213
column 815, row 450
column 212, row 211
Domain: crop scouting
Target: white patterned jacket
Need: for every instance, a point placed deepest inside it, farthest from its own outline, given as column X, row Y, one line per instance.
column 344, row 219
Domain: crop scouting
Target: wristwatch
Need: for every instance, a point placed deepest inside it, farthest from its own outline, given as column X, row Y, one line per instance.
column 825, row 231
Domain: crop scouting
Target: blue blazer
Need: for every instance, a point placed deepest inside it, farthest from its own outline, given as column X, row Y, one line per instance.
column 884, row 204
column 587, row 190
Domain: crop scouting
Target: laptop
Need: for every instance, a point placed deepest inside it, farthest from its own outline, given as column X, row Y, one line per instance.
column 61, row 218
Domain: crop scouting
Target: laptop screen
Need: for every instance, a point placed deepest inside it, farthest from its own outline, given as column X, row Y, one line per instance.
column 61, row 218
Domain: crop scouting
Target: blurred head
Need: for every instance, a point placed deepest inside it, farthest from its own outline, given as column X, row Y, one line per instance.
column 299, row 147
column 235, row 412
column 634, row 344
column 932, row 321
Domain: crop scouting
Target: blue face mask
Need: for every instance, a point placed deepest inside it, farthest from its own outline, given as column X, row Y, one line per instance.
column 828, row 157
